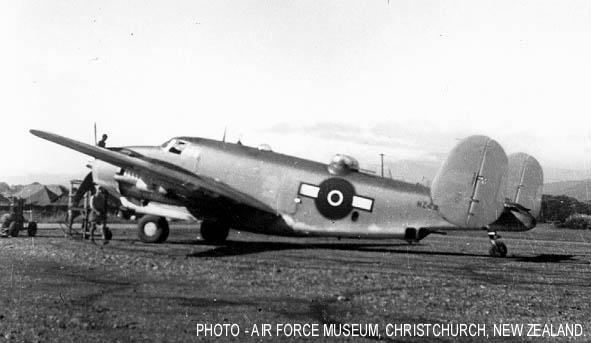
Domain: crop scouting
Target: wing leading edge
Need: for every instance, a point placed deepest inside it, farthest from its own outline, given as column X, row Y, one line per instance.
column 158, row 170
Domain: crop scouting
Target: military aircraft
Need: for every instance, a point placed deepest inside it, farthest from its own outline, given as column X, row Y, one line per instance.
column 229, row 185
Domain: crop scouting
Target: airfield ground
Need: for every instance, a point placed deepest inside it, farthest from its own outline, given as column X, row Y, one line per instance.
column 69, row 290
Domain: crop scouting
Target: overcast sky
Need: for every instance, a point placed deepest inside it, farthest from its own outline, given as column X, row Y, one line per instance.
column 311, row 78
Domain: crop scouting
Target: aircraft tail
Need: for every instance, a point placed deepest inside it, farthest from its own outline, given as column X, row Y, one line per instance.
column 524, row 194
column 469, row 189
column 525, row 182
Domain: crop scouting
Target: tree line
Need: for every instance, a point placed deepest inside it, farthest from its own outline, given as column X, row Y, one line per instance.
column 559, row 208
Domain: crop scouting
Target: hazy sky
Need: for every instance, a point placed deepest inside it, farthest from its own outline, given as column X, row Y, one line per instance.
column 311, row 78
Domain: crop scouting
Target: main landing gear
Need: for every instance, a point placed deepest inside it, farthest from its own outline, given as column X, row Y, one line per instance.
column 498, row 249
column 214, row 231
column 153, row 229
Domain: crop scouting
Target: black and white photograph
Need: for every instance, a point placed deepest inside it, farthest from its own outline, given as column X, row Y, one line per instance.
column 295, row 170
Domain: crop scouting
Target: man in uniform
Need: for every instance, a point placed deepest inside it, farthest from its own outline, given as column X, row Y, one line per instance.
column 103, row 142
column 98, row 214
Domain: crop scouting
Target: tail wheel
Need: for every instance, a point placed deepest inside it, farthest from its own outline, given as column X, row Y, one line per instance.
column 213, row 231
column 498, row 250
column 32, row 229
column 13, row 229
column 153, row 229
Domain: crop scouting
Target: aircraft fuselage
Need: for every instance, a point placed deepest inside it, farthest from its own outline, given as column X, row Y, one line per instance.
column 306, row 197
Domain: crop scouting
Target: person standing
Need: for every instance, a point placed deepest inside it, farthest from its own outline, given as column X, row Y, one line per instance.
column 103, row 142
column 98, row 214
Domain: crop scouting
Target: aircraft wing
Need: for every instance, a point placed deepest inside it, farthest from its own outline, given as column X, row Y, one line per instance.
column 160, row 171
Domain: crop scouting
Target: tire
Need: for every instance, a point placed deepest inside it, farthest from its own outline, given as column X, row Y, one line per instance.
column 498, row 250
column 32, row 229
column 502, row 249
column 153, row 229
column 13, row 229
column 213, row 231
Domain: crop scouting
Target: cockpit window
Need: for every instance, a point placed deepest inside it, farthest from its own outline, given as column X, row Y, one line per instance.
column 174, row 146
column 178, row 147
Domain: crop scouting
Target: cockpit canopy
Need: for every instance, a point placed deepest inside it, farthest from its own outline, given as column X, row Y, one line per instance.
column 174, row 145
column 343, row 164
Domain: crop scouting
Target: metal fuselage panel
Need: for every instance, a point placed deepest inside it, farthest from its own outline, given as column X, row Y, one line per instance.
column 308, row 200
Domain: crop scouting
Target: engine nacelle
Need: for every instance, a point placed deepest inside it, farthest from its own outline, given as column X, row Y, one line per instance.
column 103, row 174
column 121, row 183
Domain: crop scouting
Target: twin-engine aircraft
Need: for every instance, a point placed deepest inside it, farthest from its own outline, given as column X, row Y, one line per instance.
column 230, row 185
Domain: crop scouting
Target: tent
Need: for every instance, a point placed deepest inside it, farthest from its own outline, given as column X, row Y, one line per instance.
column 58, row 190
column 37, row 194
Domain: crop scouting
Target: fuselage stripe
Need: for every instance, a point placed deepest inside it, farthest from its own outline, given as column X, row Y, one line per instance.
column 309, row 190
column 362, row 203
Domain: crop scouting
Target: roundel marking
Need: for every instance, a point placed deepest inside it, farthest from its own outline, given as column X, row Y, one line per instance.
column 335, row 198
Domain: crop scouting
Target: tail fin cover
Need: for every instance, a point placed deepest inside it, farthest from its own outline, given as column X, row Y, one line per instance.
column 525, row 182
column 469, row 189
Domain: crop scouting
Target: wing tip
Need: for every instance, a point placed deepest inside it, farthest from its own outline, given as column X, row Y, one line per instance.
column 37, row 133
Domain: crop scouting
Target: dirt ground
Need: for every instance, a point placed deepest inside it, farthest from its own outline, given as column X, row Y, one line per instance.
column 62, row 289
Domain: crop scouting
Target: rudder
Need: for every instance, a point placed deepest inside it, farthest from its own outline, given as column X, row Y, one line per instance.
column 524, row 194
column 469, row 189
column 525, row 182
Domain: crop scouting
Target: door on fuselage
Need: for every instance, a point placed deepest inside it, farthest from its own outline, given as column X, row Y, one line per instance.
column 287, row 196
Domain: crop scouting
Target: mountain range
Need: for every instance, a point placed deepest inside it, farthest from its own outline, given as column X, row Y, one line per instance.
column 579, row 189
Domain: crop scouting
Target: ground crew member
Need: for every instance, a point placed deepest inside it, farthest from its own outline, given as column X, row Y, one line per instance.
column 15, row 215
column 5, row 221
column 98, row 214
column 103, row 142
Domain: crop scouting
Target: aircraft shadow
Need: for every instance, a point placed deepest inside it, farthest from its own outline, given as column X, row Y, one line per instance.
column 546, row 258
column 237, row 248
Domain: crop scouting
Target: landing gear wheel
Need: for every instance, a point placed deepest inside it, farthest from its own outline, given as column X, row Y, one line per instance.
column 13, row 229
column 213, row 231
column 498, row 250
column 153, row 229
column 32, row 229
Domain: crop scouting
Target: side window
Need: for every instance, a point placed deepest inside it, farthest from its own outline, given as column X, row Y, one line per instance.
column 177, row 147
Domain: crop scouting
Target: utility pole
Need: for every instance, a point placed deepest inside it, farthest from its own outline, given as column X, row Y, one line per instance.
column 382, row 160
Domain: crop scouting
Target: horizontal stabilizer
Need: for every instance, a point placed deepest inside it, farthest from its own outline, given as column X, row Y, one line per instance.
column 469, row 189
